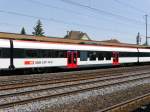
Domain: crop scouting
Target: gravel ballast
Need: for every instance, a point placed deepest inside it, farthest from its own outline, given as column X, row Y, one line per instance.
column 87, row 101
column 95, row 103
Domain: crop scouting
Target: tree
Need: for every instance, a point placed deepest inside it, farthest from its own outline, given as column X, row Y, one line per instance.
column 23, row 32
column 138, row 39
column 38, row 29
column 145, row 44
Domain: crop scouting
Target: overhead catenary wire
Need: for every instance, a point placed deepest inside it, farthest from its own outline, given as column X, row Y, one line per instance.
column 47, row 19
column 61, row 21
column 9, row 24
column 100, row 11
column 55, row 7
column 37, row 2
column 130, row 6
column 52, row 19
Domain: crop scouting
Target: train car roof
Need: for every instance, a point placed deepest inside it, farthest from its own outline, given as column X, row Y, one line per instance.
column 14, row 36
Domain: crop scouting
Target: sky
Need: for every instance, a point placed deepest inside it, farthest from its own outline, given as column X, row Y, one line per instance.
column 100, row 19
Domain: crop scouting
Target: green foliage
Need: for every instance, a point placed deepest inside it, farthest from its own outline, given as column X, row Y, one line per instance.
column 38, row 29
column 23, row 32
column 145, row 44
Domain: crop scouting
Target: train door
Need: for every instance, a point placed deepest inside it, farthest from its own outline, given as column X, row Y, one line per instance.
column 115, row 58
column 72, row 59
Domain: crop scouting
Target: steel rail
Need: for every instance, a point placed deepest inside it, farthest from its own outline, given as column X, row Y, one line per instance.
column 36, row 79
column 60, row 80
column 67, row 93
column 129, row 105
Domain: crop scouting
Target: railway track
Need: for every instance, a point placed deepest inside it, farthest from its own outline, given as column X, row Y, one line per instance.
column 70, row 82
column 129, row 105
column 37, row 77
column 40, row 80
column 68, row 88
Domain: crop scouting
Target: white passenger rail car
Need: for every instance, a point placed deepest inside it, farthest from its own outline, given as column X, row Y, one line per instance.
column 21, row 54
column 5, row 62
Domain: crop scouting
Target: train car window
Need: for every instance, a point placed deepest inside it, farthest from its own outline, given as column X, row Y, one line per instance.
column 62, row 54
column 48, row 54
column 65, row 54
column 51, row 54
column 54, row 54
column 74, row 57
column 5, row 52
column 122, row 54
column 78, row 54
column 128, row 54
column 0, row 53
column 148, row 54
column 135, row 54
column 100, row 55
column 92, row 56
column 31, row 53
column 108, row 55
column 131, row 54
column 58, row 53
column 43, row 53
column 144, row 54
column 69, row 58
column 39, row 53
column 141, row 54
column 83, row 56
column 19, row 53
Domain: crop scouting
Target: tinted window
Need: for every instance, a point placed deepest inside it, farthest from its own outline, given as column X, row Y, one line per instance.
column 19, row 53
column 69, row 57
column 62, row 54
column 100, row 55
column 39, row 53
column 83, row 56
column 128, row 54
column 92, row 56
column 74, row 57
column 145, row 54
column 108, row 55
column 58, row 54
column 0, row 53
column 44, row 53
column 5, row 52
column 31, row 53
